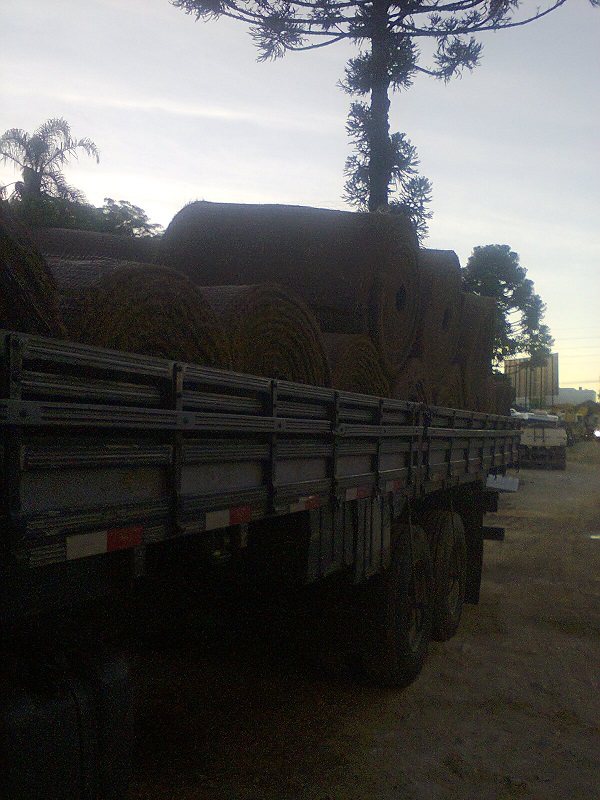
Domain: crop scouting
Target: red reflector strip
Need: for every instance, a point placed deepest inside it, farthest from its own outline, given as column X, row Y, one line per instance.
column 123, row 538
column 94, row 544
column 239, row 515
column 393, row 486
column 358, row 493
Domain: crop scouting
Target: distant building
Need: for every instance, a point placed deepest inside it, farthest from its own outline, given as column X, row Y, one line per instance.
column 535, row 387
column 576, row 396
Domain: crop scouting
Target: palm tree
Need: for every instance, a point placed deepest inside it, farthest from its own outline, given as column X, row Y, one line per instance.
column 41, row 157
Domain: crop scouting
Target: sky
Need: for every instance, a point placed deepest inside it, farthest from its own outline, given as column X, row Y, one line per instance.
column 181, row 110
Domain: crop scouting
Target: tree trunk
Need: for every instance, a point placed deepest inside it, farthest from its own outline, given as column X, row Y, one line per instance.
column 32, row 184
column 379, row 144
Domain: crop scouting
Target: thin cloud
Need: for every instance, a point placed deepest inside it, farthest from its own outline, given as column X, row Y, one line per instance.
column 260, row 118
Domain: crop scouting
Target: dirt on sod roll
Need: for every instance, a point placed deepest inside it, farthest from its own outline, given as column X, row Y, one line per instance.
column 28, row 297
column 356, row 365
column 357, row 272
column 273, row 333
column 153, row 311
column 76, row 276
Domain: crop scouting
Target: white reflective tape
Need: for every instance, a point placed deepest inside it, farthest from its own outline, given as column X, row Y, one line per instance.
column 301, row 506
column 306, row 503
column 86, row 544
column 217, row 519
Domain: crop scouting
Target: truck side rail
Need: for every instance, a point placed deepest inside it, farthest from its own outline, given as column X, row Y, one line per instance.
column 104, row 450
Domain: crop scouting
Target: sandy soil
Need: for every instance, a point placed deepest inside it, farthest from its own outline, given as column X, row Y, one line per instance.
column 509, row 708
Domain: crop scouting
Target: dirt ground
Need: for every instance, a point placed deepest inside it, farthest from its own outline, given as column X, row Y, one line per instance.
column 509, row 708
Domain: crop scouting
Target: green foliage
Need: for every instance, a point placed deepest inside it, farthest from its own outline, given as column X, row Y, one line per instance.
column 53, row 212
column 409, row 193
column 40, row 157
column 125, row 219
column 494, row 271
column 119, row 218
column 43, row 199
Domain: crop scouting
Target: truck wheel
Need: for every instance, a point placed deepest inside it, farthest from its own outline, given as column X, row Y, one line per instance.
column 447, row 542
column 65, row 726
column 395, row 612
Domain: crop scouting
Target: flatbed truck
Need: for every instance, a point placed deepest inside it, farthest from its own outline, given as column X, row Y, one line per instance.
column 112, row 461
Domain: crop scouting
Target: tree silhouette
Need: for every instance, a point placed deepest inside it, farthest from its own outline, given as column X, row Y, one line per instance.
column 408, row 192
column 41, row 157
column 391, row 31
column 494, row 271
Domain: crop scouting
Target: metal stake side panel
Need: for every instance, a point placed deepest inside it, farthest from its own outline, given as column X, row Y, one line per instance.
column 103, row 451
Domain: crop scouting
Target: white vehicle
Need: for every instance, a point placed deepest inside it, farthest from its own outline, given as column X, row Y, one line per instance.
column 543, row 440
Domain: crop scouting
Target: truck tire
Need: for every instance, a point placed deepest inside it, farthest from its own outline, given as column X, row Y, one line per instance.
column 561, row 458
column 395, row 609
column 65, row 727
column 446, row 536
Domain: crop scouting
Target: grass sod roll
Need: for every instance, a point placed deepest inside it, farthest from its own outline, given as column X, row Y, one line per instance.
column 28, row 295
column 273, row 333
column 476, row 343
column 153, row 311
column 357, row 272
column 502, row 394
column 412, row 382
column 74, row 277
column 447, row 387
column 68, row 244
column 438, row 328
column 356, row 365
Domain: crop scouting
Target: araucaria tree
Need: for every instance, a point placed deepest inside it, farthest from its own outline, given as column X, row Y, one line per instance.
column 41, row 157
column 494, row 271
column 408, row 192
column 390, row 32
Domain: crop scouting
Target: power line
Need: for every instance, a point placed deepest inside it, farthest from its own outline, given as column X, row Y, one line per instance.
column 579, row 380
column 581, row 347
column 576, row 339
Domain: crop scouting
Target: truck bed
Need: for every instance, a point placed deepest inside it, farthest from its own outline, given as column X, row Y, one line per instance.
column 104, row 450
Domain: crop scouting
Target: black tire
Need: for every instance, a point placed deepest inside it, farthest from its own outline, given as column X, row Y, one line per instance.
column 396, row 612
column 447, row 542
column 65, row 725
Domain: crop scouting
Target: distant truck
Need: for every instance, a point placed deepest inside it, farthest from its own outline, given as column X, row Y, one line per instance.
column 579, row 421
column 115, row 463
column 543, row 440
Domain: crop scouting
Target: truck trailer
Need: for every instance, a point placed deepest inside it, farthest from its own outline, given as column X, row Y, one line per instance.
column 112, row 462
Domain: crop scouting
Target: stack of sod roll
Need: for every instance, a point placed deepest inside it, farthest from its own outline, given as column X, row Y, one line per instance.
column 154, row 311
column 431, row 374
column 357, row 273
column 327, row 298
column 272, row 332
column 356, row 365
